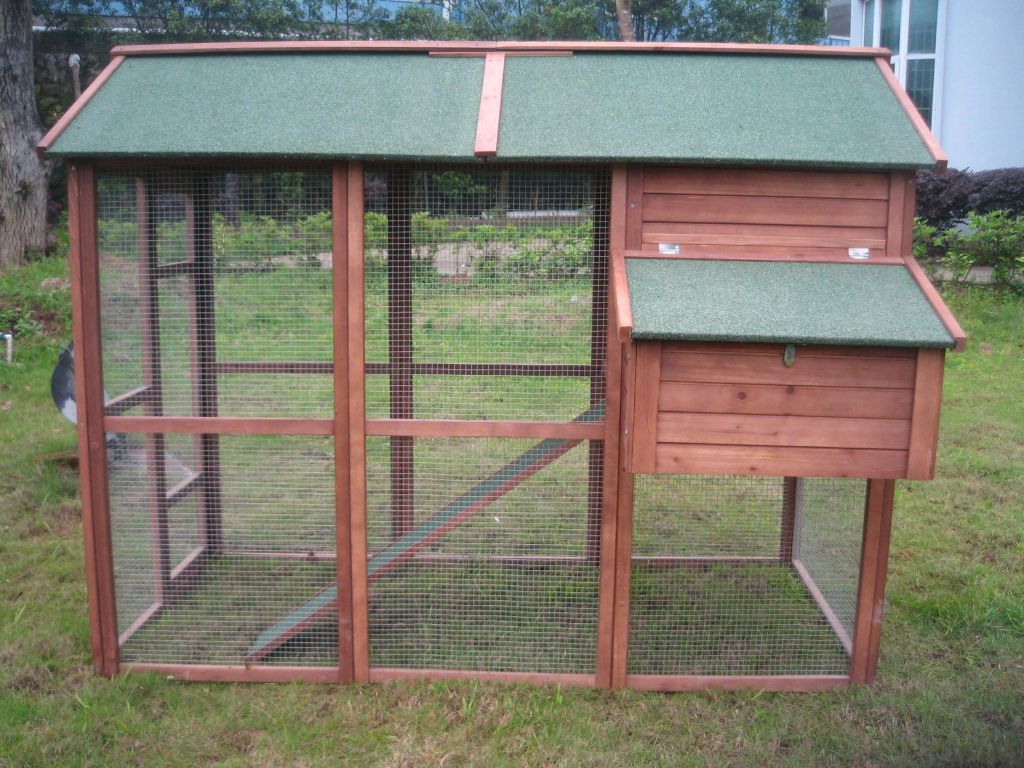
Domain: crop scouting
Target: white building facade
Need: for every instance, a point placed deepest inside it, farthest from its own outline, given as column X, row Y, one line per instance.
column 962, row 63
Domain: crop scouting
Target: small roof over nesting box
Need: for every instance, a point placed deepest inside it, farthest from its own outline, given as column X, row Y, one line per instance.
column 781, row 302
column 678, row 103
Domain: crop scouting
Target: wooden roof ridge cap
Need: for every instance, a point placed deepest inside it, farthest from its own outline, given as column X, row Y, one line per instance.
column 479, row 46
column 927, row 137
column 79, row 104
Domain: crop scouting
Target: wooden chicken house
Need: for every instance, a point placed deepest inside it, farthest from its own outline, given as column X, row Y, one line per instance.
column 582, row 363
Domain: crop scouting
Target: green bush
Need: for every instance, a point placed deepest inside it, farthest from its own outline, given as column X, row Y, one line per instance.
column 993, row 239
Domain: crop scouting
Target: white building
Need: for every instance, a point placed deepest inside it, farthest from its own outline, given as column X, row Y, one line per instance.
column 961, row 61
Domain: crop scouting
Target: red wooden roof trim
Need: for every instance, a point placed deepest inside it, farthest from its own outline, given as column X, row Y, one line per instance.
column 930, row 142
column 409, row 46
column 488, row 121
column 65, row 119
column 933, row 297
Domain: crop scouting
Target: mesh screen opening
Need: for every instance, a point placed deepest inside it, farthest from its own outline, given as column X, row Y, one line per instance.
column 715, row 590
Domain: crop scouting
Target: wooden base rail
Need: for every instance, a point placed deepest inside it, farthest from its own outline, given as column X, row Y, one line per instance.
column 804, row 683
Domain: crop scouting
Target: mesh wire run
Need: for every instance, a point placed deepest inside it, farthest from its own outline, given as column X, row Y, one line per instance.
column 250, row 542
column 486, row 558
column 215, row 289
column 485, row 291
column 715, row 587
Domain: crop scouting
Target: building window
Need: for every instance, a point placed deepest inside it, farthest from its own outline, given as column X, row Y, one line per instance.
column 909, row 29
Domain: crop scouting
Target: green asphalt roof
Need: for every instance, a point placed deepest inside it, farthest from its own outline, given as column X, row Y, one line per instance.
column 646, row 107
column 781, row 302
column 371, row 105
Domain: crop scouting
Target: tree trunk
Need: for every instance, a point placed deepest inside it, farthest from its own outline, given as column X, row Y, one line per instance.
column 624, row 16
column 22, row 174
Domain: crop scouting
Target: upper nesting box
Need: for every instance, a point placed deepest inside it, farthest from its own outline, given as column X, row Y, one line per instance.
column 797, row 106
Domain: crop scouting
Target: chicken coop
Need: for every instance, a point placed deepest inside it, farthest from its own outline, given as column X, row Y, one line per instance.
column 582, row 363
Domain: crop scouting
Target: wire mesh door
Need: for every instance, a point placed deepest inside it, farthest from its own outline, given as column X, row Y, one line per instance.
column 216, row 310
column 485, row 316
column 744, row 576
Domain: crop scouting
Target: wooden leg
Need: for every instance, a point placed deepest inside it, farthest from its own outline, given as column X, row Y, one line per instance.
column 873, row 569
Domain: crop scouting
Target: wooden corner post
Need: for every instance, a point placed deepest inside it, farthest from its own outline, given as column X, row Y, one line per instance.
column 92, row 448
column 874, row 561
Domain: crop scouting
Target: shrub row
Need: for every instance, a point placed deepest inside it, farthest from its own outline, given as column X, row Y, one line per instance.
column 944, row 199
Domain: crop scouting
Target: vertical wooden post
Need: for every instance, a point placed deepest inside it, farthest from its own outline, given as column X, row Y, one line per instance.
column 873, row 569
column 205, row 355
column 92, row 444
column 616, row 560
column 599, row 340
column 791, row 487
column 399, row 266
column 340, row 257
column 149, row 321
column 357, row 426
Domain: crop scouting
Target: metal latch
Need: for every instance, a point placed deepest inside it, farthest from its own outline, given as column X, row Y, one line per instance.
column 789, row 355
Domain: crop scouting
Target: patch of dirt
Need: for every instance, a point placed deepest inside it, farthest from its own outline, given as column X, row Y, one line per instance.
column 55, row 284
column 50, row 323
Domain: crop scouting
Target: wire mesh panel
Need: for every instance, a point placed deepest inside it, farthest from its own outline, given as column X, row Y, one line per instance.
column 485, row 300
column 278, row 551
column 495, row 574
column 216, row 287
column 483, row 290
column 829, row 520
column 713, row 591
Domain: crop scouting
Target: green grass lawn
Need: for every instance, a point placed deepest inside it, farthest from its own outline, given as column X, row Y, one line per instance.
column 950, row 687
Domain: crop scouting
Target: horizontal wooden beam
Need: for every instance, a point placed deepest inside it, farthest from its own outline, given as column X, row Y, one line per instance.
column 569, row 430
column 737, row 682
column 273, row 366
column 386, row 674
column 807, row 259
column 418, row 369
column 412, row 46
column 218, row 425
column 215, row 673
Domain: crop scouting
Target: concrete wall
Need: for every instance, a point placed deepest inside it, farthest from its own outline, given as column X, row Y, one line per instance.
column 982, row 120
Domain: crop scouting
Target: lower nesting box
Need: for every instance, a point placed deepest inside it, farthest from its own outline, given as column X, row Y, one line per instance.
column 775, row 409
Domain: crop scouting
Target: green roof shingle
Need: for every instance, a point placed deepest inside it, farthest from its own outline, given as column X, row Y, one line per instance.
column 592, row 106
column 781, row 302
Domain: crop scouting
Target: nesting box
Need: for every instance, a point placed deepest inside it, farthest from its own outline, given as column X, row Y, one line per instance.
column 566, row 362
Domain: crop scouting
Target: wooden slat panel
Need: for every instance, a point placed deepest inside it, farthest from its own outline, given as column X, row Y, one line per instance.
column 701, row 238
column 635, row 210
column 804, row 351
column 924, row 435
column 773, row 460
column 896, row 223
column 570, row 430
column 809, row 370
column 645, row 410
column 766, row 210
column 704, row 181
column 861, row 402
column 801, row 431
column 775, row 253
column 654, row 230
